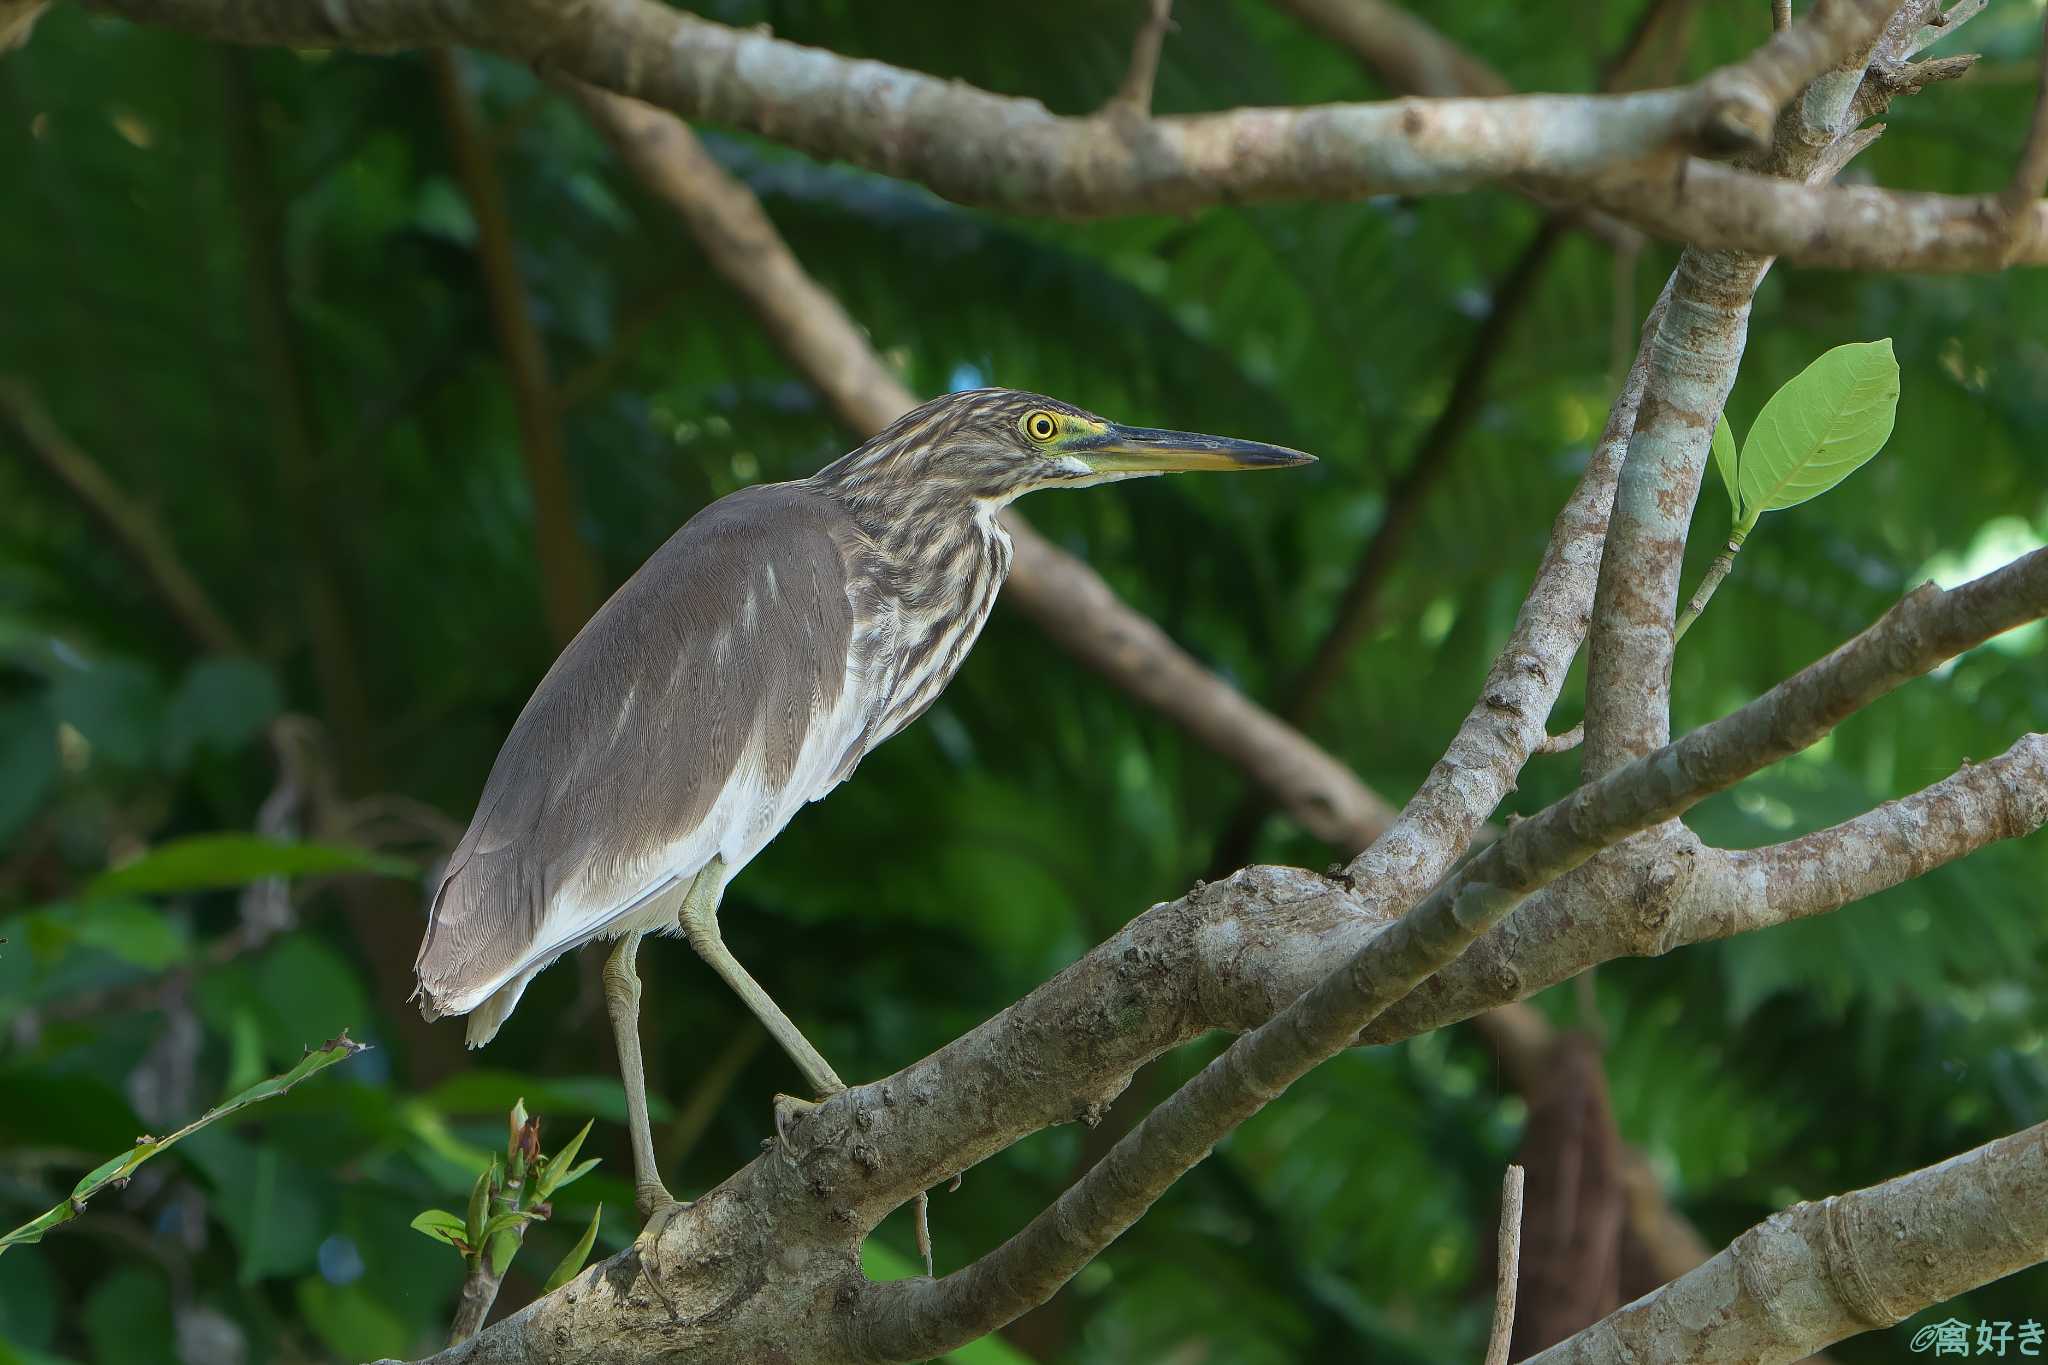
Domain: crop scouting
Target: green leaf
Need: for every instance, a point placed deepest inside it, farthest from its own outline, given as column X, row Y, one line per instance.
column 442, row 1226
column 480, row 1204
column 570, row 1265
column 574, row 1174
column 1821, row 427
column 1726, row 461
column 204, row 861
column 555, row 1172
column 118, row 1169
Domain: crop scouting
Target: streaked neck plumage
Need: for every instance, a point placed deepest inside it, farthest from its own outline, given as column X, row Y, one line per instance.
column 940, row 558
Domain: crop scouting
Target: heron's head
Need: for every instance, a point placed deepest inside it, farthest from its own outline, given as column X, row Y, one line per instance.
column 995, row 444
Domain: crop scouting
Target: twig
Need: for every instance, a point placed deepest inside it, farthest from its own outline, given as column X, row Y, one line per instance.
column 1134, row 96
column 1716, row 571
column 2030, row 173
column 1781, row 15
column 1406, row 52
column 133, row 529
column 923, row 1205
column 1564, row 743
column 568, row 575
column 1507, row 1265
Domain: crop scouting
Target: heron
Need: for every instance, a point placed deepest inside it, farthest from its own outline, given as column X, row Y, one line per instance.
column 743, row 671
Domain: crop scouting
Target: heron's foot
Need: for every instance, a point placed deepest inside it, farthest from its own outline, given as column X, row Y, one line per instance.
column 789, row 1109
column 653, row 1200
column 657, row 1206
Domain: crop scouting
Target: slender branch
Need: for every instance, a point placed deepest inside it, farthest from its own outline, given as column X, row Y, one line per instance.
column 1723, row 565
column 1684, row 892
column 1563, row 743
column 127, row 521
column 1781, row 15
column 1059, row 592
column 1484, row 758
column 568, row 576
column 1010, row 153
column 1696, row 352
column 1818, row 1272
column 1900, row 840
column 1507, row 1265
column 916, row 1319
column 1411, row 56
column 1134, row 96
column 2030, row 173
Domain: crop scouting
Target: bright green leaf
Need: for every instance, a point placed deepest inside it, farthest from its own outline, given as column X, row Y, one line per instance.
column 568, row 1267
column 204, row 861
column 442, row 1226
column 1726, row 461
column 1821, row 427
column 119, row 1168
column 556, row 1170
column 480, row 1204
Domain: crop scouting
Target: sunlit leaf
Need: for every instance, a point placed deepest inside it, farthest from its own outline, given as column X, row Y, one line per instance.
column 1821, row 427
column 1725, row 461
column 442, row 1226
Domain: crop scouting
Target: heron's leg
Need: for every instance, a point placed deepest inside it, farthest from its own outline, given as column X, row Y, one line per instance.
column 700, row 926
column 622, row 1000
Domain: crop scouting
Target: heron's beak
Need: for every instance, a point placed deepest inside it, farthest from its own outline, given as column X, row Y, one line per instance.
column 1148, row 450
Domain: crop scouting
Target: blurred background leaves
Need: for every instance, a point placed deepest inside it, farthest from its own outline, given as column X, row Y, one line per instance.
column 244, row 284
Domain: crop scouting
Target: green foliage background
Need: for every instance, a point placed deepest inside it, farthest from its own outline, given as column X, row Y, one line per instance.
column 1034, row 809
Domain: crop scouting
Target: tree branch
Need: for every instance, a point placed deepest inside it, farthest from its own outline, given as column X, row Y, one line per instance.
column 1133, row 98
column 916, row 1319
column 1818, row 1272
column 1507, row 1264
column 1412, row 57
column 1010, row 153
column 1697, row 350
column 568, row 576
column 127, row 521
column 1063, row 595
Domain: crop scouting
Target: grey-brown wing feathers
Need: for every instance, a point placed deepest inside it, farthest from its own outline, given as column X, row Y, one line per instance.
column 725, row 684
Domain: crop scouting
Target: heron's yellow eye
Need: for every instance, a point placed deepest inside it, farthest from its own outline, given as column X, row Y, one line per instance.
column 1041, row 426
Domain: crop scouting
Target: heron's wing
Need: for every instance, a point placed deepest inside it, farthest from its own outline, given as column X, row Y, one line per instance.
column 725, row 684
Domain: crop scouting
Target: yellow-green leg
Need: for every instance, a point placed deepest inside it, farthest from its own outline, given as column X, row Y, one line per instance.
column 700, row 926
column 622, row 1001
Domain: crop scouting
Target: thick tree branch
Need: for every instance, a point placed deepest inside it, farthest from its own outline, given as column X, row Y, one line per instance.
column 1059, row 592
column 1010, row 153
column 1695, row 355
column 915, row 1319
column 133, row 530
column 1818, row 1272
column 1678, row 891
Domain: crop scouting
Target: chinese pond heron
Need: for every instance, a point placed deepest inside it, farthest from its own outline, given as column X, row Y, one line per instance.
column 781, row 634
